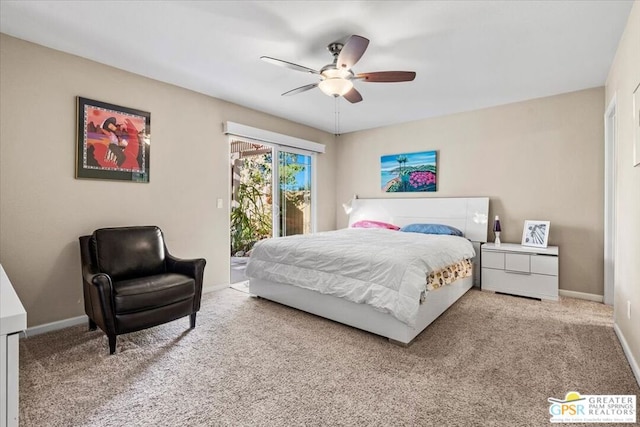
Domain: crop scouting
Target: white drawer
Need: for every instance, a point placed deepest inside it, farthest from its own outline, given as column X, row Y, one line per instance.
column 517, row 262
column 544, row 264
column 529, row 285
column 492, row 259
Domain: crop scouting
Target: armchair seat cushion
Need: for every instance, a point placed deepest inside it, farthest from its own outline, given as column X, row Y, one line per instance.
column 148, row 292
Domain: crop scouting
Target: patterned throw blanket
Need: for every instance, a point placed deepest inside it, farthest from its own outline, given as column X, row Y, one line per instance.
column 449, row 274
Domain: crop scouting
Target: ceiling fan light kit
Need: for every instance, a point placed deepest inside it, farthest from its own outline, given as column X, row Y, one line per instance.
column 337, row 78
column 335, row 86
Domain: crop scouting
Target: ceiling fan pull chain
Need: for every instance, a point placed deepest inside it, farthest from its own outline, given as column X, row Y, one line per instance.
column 336, row 101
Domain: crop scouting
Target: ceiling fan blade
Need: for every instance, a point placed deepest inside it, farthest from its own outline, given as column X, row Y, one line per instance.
column 352, row 51
column 300, row 89
column 387, row 76
column 353, row 96
column 291, row 65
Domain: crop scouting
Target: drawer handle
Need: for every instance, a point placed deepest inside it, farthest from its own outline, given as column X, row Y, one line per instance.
column 526, row 273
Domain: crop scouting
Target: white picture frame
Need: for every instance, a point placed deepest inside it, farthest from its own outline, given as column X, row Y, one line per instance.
column 636, row 126
column 535, row 233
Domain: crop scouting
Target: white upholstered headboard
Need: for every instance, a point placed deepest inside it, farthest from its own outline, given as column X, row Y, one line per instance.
column 468, row 214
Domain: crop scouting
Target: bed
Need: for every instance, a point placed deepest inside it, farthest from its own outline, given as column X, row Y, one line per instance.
column 466, row 214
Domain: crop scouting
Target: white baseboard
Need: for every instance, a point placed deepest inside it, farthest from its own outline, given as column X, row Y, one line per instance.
column 54, row 326
column 627, row 351
column 211, row 288
column 73, row 321
column 581, row 295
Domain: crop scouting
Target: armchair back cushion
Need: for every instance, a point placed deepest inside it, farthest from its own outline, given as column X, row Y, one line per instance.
column 129, row 252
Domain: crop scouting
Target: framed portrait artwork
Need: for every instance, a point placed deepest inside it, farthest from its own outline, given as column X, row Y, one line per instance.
column 114, row 142
column 535, row 233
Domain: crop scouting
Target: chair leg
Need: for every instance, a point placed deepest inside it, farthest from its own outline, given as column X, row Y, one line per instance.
column 112, row 344
column 193, row 320
column 92, row 325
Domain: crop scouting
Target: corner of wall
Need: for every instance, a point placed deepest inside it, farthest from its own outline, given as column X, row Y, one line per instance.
column 635, row 368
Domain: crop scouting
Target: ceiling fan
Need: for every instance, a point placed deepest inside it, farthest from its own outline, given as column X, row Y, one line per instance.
column 336, row 79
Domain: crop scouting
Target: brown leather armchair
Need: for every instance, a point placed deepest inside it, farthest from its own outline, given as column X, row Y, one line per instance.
column 131, row 282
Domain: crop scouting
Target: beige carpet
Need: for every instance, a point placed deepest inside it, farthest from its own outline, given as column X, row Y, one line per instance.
column 490, row 360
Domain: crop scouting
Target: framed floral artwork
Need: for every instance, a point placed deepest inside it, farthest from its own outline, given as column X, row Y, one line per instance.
column 409, row 172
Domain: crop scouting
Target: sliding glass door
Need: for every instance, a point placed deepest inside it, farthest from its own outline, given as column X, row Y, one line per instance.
column 271, row 193
column 251, row 196
column 294, row 193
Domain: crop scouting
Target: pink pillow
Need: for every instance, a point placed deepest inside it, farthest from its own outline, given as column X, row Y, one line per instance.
column 374, row 224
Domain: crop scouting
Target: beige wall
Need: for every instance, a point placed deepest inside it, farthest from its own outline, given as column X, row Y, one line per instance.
column 540, row 159
column 43, row 209
column 623, row 78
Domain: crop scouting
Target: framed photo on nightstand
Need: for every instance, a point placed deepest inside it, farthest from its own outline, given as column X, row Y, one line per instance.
column 535, row 233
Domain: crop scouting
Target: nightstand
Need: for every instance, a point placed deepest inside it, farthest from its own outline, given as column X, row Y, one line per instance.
column 520, row 270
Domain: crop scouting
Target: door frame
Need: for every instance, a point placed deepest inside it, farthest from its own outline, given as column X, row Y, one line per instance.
column 610, row 149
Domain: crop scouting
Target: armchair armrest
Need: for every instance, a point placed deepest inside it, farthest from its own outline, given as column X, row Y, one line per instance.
column 189, row 267
column 95, row 278
column 99, row 289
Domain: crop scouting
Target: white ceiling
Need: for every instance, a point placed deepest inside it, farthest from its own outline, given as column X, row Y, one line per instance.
column 467, row 54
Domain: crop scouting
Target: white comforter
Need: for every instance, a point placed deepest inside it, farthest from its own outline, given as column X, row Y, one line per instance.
column 383, row 268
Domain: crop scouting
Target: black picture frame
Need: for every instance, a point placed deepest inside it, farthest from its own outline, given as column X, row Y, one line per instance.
column 113, row 142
